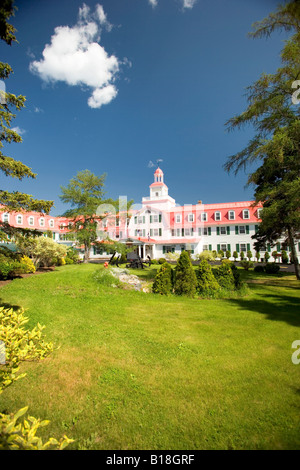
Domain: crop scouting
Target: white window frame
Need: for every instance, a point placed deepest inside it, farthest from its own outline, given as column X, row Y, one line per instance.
column 244, row 214
column 259, row 212
column 230, row 213
column 243, row 231
column 222, row 247
column 191, row 217
column 205, row 231
column 31, row 220
column 204, row 217
column 4, row 215
column 17, row 219
column 42, row 224
column 223, row 231
column 218, row 216
column 140, row 219
column 178, row 218
column 243, row 245
column 51, row 223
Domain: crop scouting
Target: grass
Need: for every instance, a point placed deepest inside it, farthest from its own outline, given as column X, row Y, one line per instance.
column 140, row 371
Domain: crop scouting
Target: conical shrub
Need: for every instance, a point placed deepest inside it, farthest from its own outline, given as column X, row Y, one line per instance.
column 185, row 278
column 207, row 284
column 163, row 282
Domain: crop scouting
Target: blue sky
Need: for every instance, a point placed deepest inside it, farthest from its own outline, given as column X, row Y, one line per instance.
column 116, row 84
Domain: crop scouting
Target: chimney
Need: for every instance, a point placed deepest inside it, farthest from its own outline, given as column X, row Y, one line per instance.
column 199, row 202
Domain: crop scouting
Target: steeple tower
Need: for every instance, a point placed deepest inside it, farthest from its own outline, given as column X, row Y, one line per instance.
column 158, row 189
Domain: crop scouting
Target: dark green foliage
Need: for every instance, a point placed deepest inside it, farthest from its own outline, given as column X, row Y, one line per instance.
column 236, row 276
column 224, row 276
column 206, row 282
column 267, row 256
column 246, row 264
column 284, row 257
column 272, row 268
column 161, row 261
column 163, row 282
column 185, row 277
column 259, row 269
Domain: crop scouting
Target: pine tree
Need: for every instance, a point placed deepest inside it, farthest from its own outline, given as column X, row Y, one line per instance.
column 185, row 278
column 163, row 282
column 206, row 281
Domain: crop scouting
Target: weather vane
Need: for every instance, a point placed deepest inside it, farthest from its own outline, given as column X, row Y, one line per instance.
column 158, row 161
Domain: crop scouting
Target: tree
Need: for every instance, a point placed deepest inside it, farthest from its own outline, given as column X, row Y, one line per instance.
column 274, row 113
column 9, row 103
column 163, row 280
column 84, row 193
column 185, row 278
column 206, row 282
column 42, row 250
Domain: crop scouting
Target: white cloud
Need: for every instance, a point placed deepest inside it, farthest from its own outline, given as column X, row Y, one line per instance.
column 153, row 3
column 188, row 3
column 18, row 130
column 75, row 57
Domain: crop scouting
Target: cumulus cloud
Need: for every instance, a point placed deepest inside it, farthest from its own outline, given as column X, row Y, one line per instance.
column 188, row 3
column 75, row 57
column 153, row 3
column 18, row 130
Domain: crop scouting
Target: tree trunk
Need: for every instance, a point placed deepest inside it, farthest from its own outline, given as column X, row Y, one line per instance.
column 86, row 253
column 294, row 254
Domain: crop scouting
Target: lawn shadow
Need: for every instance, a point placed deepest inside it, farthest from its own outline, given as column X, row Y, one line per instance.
column 7, row 305
column 274, row 305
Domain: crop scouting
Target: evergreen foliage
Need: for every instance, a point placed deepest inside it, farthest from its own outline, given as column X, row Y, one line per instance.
column 185, row 278
column 163, row 282
column 207, row 284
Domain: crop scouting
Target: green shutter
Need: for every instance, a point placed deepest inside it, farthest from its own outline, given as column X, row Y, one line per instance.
column 218, row 248
column 159, row 232
column 269, row 247
column 144, row 219
column 228, row 247
column 248, row 246
column 218, row 230
column 210, row 247
column 135, row 220
column 209, row 230
column 256, row 228
column 151, row 232
column 173, row 249
column 228, row 229
column 182, row 232
column 237, row 248
column 144, row 232
column 150, row 219
column 247, row 229
column 236, row 229
column 159, row 218
column 164, row 249
column 278, row 246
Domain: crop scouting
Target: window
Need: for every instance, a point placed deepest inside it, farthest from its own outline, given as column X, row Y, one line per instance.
column 140, row 219
column 178, row 232
column 259, row 211
column 51, row 223
column 205, row 247
column 19, row 219
column 223, row 230
column 188, row 232
column 243, row 247
column 5, row 217
column 42, row 222
column 217, row 216
column 178, row 218
column 205, row 231
column 199, row 231
column 242, row 229
column 31, row 220
column 223, row 247
column 231, row 215
column 191, row 217
column 246, row 214
column 204, row 217
column 156, row 194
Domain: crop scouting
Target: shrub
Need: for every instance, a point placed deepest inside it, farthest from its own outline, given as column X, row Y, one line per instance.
column 206, row 281
column 249, row 255
column 235, row 255
column 42, row 250
column 172, row 256
column 228, row 254
column 221, row 254
column 10, row 269
column 284, row 257
column 242, row 255
column 163, row 282
column 185, row 278
column 154, row 261
column 259, row 269
column 106, row 278
column 246, row 264
column 68, row 260
column 206, row 255
column 28, row 265
column 17, row 436
column 238, row 284
column 224, row 276
column 267, row 256
column 72, row 254
column 161, row 261
column 272, row 268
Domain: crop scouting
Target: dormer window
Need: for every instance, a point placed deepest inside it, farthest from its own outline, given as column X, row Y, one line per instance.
column 231, row 215
column 246, row 214
column 19, row 219
column 191, row 217
column 31, row 221
column 42, row 222
column 217, row 216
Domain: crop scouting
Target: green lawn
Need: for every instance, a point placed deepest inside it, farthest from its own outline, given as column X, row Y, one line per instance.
column 140, row 371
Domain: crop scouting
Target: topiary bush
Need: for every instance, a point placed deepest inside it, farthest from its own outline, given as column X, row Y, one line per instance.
column 161, row 261
column 207, row 284
column 185, row 282
column 163, row 282
column 259, row 269
column 272, row 268
column 224, row 276
column 246, row 264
